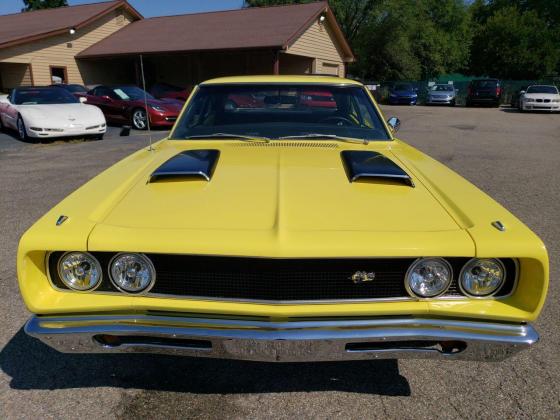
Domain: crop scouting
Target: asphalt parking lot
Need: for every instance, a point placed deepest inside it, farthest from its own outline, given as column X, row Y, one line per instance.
column 513, row 157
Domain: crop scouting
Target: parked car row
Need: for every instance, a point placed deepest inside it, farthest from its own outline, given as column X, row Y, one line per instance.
column 479, row 92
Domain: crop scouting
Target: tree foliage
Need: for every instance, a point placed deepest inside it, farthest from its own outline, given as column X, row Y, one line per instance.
column 30, row 5
column 401, row 39
column 516, row 39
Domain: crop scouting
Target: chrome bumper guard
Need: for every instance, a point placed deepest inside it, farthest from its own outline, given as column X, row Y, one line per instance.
column 291, row 341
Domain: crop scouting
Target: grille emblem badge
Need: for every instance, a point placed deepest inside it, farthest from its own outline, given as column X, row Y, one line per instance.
column 362, row 277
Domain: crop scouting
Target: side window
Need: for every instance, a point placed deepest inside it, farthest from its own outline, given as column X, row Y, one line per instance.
column 103, row 91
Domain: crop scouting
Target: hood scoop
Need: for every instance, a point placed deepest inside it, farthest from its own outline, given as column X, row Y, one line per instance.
column 188, row 164
column 365, row 164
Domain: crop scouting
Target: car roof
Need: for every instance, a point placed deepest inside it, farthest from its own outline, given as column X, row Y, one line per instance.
column 301, row 79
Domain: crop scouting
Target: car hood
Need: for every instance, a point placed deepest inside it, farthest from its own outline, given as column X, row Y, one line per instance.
column 542, row 95
column 276, row 198
column 57, row 114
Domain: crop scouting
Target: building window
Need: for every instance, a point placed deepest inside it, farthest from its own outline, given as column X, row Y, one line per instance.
column 58, row 75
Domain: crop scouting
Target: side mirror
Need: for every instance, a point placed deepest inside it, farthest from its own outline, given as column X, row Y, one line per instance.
column 394, row 124
column 125, row 131
column 82, row 99
column 4, row 100
column 522, row 92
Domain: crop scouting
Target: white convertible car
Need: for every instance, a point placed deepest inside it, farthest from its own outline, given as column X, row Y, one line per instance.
column 45, row 112
column 540, row 98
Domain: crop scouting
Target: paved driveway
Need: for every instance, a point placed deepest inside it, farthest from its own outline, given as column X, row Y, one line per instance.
column 513, row 157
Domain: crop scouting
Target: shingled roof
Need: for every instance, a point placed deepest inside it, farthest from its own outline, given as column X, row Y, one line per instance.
column 20, row 28
column 250, row 28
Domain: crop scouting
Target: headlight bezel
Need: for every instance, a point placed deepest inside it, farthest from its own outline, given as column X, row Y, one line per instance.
column 73, row 289
column 496, row 291
column 412, row 266
column 123, row 290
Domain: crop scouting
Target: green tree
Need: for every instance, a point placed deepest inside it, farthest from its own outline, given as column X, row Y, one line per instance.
column 401, row 39
column 414, row 40
column 516, row 39
column 30, row 5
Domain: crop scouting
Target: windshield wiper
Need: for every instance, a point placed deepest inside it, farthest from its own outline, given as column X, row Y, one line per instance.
column 325, row 136
column 228, row 136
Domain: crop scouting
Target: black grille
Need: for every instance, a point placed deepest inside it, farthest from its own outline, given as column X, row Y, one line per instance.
column 277, row 279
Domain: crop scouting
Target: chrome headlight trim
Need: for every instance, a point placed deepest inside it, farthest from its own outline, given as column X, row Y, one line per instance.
column 504, row 279
column 413, row 265
column 70, row 288
column 150, row 266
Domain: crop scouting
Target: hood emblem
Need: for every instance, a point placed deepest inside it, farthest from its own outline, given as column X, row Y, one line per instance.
column 362, row 277
column 71, row 118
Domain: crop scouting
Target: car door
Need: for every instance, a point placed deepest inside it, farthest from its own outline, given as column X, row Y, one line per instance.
column 108, row 102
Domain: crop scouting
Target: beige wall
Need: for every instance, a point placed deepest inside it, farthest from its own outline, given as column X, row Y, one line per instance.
column 13, row 75
column 319, row 42
column 61, row 50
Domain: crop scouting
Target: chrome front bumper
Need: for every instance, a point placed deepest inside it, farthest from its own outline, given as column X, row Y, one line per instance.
column 291, row 341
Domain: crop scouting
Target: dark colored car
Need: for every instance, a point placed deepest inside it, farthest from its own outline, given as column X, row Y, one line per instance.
column 75, row 89
column 403, row 94
column 484, row 92
column 127, row 105
column 167, row 91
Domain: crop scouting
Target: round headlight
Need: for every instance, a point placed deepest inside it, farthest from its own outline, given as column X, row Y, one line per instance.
column 79, row 271
column 428, row 277
column 482, row 277
column 132, row 273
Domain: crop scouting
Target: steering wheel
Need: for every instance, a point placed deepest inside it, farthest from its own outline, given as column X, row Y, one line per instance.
column 341, row 120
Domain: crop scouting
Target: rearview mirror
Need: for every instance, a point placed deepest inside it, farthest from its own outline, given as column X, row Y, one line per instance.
column 394, row 124
column 125, row 131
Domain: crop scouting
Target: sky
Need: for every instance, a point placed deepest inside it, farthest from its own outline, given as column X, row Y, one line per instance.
column 148, row 8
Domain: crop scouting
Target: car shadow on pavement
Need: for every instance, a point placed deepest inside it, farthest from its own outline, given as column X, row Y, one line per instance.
column 33, row 365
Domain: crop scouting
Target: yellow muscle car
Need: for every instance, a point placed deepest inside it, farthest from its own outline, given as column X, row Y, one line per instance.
column 281, row 220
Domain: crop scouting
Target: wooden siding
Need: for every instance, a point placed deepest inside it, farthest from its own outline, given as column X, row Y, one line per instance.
column 13, row 75
column 61, row 50
column 319, row 42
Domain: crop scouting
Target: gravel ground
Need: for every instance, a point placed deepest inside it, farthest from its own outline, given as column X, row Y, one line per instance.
column 513, row 157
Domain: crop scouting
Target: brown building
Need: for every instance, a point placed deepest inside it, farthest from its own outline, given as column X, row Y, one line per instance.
column 101, row 44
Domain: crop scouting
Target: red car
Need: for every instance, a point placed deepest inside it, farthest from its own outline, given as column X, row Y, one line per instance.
column 127, row 105
column 167, row 91
column 317, row 99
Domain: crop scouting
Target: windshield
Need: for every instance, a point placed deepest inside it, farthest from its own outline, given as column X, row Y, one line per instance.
column 403, row 86
column 443, row 88
column 542, row 89
column 131, row 93
column 275, row 111
column 43, row 97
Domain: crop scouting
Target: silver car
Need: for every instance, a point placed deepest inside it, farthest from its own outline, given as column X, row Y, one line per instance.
column 443, row 94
